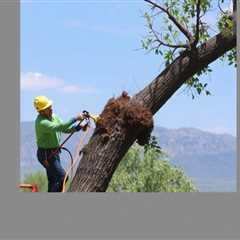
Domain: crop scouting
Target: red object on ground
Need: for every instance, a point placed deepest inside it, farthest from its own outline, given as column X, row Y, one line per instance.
column 33, row 187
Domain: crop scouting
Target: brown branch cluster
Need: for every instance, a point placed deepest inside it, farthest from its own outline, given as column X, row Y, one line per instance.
column 126, row 117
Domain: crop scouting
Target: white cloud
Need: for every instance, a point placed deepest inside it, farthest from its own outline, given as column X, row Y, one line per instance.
column 37, row 81
column 70, row 89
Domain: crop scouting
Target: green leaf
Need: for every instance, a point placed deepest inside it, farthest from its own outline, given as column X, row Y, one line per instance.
column 207, row 92
column 199, row 90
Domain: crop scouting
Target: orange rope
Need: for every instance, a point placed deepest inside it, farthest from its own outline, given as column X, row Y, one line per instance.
column 74, row 162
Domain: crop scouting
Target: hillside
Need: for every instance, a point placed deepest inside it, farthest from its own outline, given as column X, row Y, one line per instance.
column 210, row 159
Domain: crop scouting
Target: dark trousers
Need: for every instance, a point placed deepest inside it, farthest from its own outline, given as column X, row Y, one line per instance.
column 54, row 170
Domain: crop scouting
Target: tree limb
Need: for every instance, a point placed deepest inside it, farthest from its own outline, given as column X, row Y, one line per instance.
column 174, row 20
column 155, row 95
column 234, row 16
column 155, row 33
column 219, row 6
column 107, row 147
column 110, row 142
column 198, row 9
column 234, row 5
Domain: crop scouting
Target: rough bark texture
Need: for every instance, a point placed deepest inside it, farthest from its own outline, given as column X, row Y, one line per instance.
column 126, row 119
column 122, row 122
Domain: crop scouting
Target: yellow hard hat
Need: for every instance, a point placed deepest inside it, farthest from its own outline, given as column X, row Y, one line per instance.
column 41, row 103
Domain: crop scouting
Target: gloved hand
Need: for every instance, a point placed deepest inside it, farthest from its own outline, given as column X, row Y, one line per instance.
column 77, row 128
column 86, row 114
column 80, row 117
column 83, row 126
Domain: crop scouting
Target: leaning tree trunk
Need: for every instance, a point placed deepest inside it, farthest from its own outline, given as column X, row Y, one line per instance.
column 125, row 120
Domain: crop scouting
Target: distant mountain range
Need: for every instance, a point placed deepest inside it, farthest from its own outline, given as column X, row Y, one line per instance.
column 208, row 158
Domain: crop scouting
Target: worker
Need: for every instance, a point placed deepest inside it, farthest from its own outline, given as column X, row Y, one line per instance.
column 48, row 129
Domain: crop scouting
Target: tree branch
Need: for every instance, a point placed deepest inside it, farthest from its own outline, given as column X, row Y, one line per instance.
column 109, row 144
column 198, row 9
column 155, row 95
column 172, row 45
column 174, row 20
column 114, row 136
column 219, row 6
column 167, row 44
column 234, row 5
column 234, row 16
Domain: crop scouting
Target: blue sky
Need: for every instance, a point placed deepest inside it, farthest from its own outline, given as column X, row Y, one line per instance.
column 81, row 53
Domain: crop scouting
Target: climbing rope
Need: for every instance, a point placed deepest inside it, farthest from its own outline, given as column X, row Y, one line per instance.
column 73, row 163
column 70, row 154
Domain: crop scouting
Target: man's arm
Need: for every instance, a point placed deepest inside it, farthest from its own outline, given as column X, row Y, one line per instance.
column 57, row 126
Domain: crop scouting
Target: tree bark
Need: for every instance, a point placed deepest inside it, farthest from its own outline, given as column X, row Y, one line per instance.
column 155, row 95
column 125, row 119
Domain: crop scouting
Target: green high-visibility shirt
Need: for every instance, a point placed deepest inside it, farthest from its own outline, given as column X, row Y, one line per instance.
column 48, row 132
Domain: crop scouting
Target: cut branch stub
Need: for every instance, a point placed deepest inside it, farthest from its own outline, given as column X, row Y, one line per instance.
column 127, row 117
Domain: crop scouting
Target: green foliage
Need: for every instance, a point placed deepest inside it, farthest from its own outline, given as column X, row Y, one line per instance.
column 231, row 57
column 153, row 144
column 164, row 38
column 39, row 178
column 225, row 23
column 195, row 86
column 148, row 171
column 166, row 31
